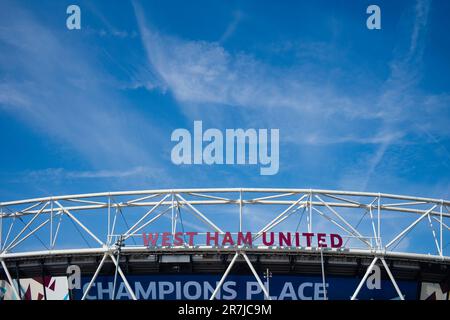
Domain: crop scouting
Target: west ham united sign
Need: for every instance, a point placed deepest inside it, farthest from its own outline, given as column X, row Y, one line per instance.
column 229, row 239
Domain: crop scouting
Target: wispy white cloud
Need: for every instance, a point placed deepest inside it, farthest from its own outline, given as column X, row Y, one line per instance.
column 399, row 91
column 308, row 108
column 61, row 173
column 421, row 11
column 231, row 28
column 374, row 138
column 59, row 89
column 114, row 33
column 201, row 72
column 108, row 29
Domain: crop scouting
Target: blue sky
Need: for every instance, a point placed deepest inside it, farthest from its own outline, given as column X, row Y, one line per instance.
column 93, row 109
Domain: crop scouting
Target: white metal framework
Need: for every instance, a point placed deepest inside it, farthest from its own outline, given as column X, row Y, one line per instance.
column 373, row 225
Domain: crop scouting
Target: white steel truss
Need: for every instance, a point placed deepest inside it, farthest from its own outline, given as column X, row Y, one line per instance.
column 322, row 208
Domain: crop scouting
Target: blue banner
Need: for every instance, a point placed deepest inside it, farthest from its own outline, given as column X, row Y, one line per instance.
column 243, row 287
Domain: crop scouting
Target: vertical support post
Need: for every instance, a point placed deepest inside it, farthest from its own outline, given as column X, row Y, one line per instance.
column 43, row 280
column 109, row 220
column 310, row 212
column 363, row 280
column 115, row 277
column 377, row 241
column 51, row 222
column 177, row 213
column 267, row 276
column 173, row 215
column 113, row 226
column 240, row 211
column 379, row 221
column 70, row 286
column 10, row 279
column 440, row 230
column 323, row 275
column 1, row 227
column 18, row 282
column 434, row 235
column 119, row 245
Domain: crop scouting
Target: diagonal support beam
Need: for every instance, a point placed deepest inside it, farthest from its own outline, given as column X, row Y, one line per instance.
column 200, row 215
column 363, row 280
column 263, row 287
column 400, row 295
column 372, row 221
column 32, row 232
column 8, row 275
column 433, row 232
column 122, row 275
column 209, row 196
column 146, row 215
column 127, row 285
column 336, row 224
column 287, row 215
column 26, row 227
column 30, row 207
column 56, row 231
column 147, row 223
column 94, row 277
column 412, row 225
column 142, row 199
column 227, row 271
column 80, row 224
column 271, row 197
column 11, row 225
column 356, row 232
column 274, row 222
column 369, row 270
column 222, row 280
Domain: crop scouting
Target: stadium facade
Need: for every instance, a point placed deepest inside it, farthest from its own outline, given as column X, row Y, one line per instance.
column 234, row 243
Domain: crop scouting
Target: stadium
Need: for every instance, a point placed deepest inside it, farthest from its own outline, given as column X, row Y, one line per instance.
column 228, row 243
